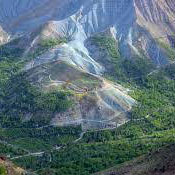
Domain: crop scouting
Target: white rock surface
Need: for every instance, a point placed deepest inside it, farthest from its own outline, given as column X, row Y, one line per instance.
column 132, row 20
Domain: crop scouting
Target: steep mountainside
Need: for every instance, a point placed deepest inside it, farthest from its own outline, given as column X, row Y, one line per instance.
column 139, row 26
column 71, row 31
column 86, row 85
column 160, row 162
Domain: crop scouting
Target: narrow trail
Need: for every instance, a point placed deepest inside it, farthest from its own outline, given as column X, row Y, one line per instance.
column 160, row 67
column 12, row 146
column 71, row 85
column 154, row 71
column 81, row 136
column 105, row 87
column 28, row 155
column 38, row 154
column 56, row 148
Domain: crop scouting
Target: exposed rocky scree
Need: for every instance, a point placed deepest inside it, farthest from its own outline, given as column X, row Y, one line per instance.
column 99, row 103
column 8, row 168
column 136, row 24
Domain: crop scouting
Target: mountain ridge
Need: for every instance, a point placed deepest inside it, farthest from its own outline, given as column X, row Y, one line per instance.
column 85, row 20
column 86, row 85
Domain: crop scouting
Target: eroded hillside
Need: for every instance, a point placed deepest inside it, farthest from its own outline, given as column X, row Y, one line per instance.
column 138, row 29
column 68, row 31
column 85, row 85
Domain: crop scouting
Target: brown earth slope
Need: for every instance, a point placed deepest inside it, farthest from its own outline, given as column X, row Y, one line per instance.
column 8, row 168
column 160, row 162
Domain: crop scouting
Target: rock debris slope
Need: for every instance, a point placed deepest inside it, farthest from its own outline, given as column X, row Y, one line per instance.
column 136, row 24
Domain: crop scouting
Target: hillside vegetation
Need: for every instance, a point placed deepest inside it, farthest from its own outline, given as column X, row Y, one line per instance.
column 151, row 124
column 159, row 162
column 87, row 87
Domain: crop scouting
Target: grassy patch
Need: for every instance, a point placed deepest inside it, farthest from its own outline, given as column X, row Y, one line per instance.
column 3, row 170
column 45, row 45
column 168, row 50
column 110, row 44
column 123, row 70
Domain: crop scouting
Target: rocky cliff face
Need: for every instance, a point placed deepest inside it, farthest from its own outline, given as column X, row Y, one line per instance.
column 3, row 36
column 137, row 25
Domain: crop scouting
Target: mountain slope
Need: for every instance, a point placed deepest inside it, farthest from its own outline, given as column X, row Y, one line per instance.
column 160, row 162
column 85, row 85
column 98, row 103
column 8, row 168
column 79, row 20
column 68, row 31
